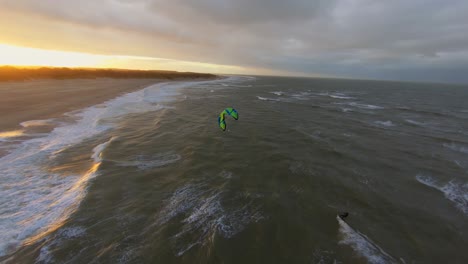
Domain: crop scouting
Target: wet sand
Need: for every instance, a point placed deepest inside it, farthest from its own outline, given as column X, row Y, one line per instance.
column 43, row 99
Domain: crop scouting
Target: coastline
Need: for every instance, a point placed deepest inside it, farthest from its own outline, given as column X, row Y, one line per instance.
column 44, row 195
column 22, row 101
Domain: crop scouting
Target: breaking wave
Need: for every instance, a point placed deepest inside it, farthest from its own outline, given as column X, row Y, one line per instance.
column 456, row 147
column 363, row 245
column 203, row 214
column 455, row 191
column 35, row 201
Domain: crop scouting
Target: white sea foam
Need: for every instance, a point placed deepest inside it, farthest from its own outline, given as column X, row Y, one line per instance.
column 72, row 232
column 365, row 106
column 45, row 254
column 287, row 97
column 236, row 85
column 337, row 96
column 97, row 151
column 144, row 162
column 362, row 245
column 226, row 174
column 413, row 122
column 461, row 163
column 232, row 81
column 302, row 95
column 342, row 97
column 279, row 93
column 387, row 123
column 204, row 215
column 40, row 202
column 455, row 191
column 426, row 180
column 345, row 110
column 456, row 147
column 266, row 99
column 34, row 200
column 33, row 123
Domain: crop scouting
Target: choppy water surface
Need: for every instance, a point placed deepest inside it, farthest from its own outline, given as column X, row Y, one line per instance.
column 150, row 178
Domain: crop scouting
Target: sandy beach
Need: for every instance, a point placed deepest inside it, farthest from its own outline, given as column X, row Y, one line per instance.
column 43, row 99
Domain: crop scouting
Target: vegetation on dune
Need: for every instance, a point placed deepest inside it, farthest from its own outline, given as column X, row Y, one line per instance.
column 9, row 73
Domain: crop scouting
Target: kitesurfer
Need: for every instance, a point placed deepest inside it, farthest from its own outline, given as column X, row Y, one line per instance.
column 343, row 215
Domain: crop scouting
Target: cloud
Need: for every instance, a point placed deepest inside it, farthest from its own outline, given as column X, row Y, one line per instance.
column 352, row 38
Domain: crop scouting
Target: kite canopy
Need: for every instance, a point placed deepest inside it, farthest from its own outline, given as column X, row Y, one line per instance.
column 228, row 111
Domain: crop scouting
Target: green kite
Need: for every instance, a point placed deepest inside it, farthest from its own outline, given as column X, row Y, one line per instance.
column 228, row 111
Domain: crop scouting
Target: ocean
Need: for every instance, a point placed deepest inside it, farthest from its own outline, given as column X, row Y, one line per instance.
column 149, row 177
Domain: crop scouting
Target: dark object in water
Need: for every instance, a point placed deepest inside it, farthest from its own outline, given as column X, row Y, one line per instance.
column 343, row 215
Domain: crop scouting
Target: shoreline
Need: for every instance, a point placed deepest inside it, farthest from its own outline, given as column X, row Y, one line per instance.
column 22, row 101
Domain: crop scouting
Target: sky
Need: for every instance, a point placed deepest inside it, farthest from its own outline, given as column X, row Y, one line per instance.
column 416, row 40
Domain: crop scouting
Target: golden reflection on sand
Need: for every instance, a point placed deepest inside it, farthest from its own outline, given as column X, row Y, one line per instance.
column 9, row 134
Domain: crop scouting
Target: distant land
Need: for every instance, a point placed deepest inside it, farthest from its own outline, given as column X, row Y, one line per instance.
column 10, row 73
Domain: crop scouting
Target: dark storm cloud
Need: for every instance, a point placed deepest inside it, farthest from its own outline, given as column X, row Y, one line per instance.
column 351, row 38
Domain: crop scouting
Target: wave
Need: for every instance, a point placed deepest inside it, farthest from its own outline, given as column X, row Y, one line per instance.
column 454, row 191
column 413, row 122
column 387, row 123
column 337, row 96
column 233, row 81
column 65, row 234
column 457, row 147
column 200, row 210
column 144, row 162
column 97, row 151
column 366, row 106
column 302, row 95
column 267, row 99
column 342, row 97
column 363, row 245
column 279, row 93
column 34, row 123
column 287, row 98
column 461, row 164
column 423, row 111
column 35, row 202
column 45, row 204
column 345, row 110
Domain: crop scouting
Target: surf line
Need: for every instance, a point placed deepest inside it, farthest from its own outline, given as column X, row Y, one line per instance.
column 76, row 192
